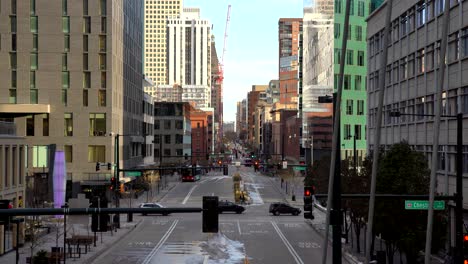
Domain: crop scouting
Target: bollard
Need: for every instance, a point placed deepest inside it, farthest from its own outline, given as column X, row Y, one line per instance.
column 129, row 217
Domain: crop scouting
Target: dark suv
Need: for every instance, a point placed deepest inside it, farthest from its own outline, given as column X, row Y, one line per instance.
column 227, row 206
column 282, row 208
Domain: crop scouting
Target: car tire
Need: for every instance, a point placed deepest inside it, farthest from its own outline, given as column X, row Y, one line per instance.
column 144, row 214
column 220, row 212
column 295, row 213
column 276, row 213
column 165, row 214
column 238, row 212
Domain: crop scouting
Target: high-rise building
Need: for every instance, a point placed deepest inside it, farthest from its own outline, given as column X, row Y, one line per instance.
column 288, row 36
column 217, row 96
column 354, row 96
column 412, row 75
column 156, row 15
column 73, row 74
column 253, row 97
column 317, row 80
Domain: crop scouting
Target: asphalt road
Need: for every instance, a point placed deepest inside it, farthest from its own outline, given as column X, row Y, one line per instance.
column 254, row 236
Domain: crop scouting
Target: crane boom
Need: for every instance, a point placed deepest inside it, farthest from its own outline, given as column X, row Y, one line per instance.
column 228, row 18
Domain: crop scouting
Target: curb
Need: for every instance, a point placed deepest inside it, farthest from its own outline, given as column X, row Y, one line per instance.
column 168, row 190
column 99, row 253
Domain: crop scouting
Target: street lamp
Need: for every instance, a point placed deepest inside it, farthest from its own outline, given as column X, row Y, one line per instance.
column 459, row 179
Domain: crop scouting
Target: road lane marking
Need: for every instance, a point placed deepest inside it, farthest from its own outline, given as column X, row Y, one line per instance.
column 287, row 244
column 188, row 194
column 161, row 242
column 238, row 226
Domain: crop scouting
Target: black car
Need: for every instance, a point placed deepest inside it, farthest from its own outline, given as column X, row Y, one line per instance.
column 227, row 206
column 282, row 208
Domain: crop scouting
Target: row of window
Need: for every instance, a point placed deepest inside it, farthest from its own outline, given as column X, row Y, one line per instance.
column 360, row 59
column 168, row 152
column 348, row 84
column 340, row 7
column 178, row 124
column 350, row 107
column 358, row 34
column 97, row 125
column 348, row 135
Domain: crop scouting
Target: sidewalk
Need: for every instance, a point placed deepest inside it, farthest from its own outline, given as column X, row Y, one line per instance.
column 104, row 240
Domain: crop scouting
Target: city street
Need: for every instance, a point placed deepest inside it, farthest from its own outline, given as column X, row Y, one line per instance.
column 254, row 236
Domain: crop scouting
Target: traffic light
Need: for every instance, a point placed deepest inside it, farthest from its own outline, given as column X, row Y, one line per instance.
column 308, row 192
column 113, row 183
column 465, row 249
column 210, row 214
column 220, row 162
column 109, row 166
column 98, row 166
column 225, row 170
column 256, row 165
column 5, row 204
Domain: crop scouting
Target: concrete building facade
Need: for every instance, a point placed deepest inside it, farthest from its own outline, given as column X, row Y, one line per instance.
column 411, row 77
column 156, row 14
column 72, row 78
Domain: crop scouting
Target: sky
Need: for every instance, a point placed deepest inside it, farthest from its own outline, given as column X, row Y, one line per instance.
column 251, row 55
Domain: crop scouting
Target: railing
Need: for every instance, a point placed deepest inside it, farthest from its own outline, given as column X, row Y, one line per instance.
column 7, row 128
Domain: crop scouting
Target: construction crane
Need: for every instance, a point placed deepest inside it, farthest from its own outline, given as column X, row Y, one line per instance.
column 221, row 64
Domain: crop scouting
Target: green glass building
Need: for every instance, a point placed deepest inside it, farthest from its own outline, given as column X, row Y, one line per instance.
column 354, row 96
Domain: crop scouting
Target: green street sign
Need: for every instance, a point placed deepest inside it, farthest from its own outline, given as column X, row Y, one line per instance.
column 299, row 168
column 132, row 173
column 423, row 205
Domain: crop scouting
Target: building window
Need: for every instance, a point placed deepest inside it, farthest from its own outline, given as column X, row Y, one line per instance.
column 411, row 66
column 65, row 79
column 179, row 124
column 32, row 7
column 361, row 8
column 337, row 30
column 102, row 61
column 167, row 152
column 45, row 125
column 179, row 152
column 359, row 33
column 64, row 7
column 68, row 120
column 64, row 61
column 12, row 96
column 66, row 43
column 68, row 149
column 464, row 42
column 338, row 6
column 102, row 97
column 349, row 107
column 64, row 97
column 96, row 153
column 351, row 7
column 167, row 139
column 360, row 107
column 33, row 96
column 156, row 124
column 14, row 79
column 85, row 43
column 167, row 124
column 35, row 42
column 347, row 131
column 357, row 82
column 360, row 58
column 350, row 31
column 439, row 6
column 85, row 97
column 40, row 156
column 86, row 79
column 33, row 24
column 102, row 43
column 337, row 56
column 97, row 124
column 85, row 8
column 30, row 126
column 453, row 47
column 87, row 25
column 103, row 25
column 66, row 24
column 103, row 7
column 85, row 62
column 179, row 139
column 421, row 61
column 357, row 132
column 421, row 15
column 349, row 57
column 13, row 60
column 103, row 80
column 347, row 82
column 34, row 61
column 32, row 79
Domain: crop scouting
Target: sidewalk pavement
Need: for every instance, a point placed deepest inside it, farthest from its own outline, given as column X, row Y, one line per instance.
column 104, row 240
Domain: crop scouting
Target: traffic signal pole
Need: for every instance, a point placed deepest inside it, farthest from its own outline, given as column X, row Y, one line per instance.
column 117, row 172
column 459, row 250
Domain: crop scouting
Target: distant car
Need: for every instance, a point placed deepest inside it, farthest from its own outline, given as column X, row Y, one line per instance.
column 282, row 208
column 248, row 162
column 227, row 206
column 152, row 205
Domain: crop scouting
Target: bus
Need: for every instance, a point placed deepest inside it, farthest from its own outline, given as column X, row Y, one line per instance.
column 191, row 174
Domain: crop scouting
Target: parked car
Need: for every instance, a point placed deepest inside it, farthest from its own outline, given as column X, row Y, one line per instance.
column 227, row 206
column 248, row 162
column 152, row 205
column 282, row 208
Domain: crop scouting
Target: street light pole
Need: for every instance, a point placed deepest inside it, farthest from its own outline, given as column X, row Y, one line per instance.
column 117, row 175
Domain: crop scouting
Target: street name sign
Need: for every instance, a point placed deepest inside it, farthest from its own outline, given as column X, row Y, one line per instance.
column 133, row 173
column 299, row 168
column 423, row 205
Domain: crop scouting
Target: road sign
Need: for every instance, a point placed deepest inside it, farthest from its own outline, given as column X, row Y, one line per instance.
column 132, row 173
column 423, row 205
column 299, row 168
column 285, row 164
